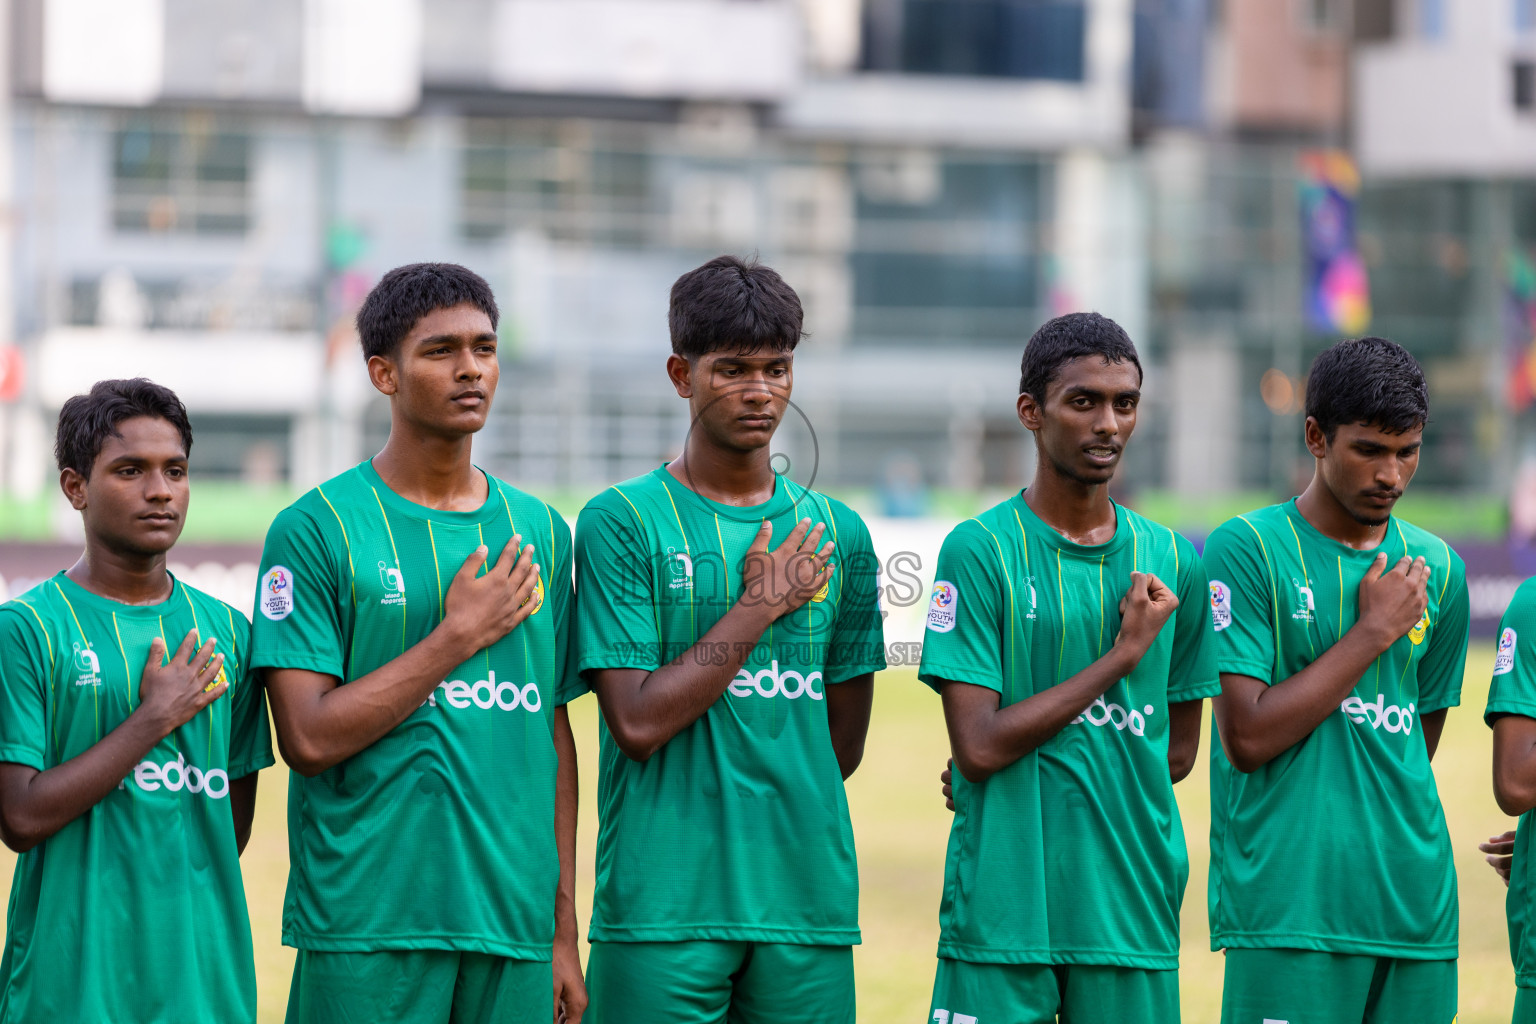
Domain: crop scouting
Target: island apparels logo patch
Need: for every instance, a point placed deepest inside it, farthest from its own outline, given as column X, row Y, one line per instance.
column 87, row 667
column 679, row 570
column 1306, row 606
column 393, row 581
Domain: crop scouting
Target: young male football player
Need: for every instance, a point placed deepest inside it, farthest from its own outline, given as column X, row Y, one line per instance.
column 416, row 660
column 728, row 621
column 1511, row 714
column 131, row 733
column 1341, row 636
column 1069, row 639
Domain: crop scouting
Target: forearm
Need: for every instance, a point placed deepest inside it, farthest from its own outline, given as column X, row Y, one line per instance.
column 1514, row 785
column 1514, row 764
column 1432, row 724
column 848, row 707
column 1184, row 719
column 36, row 805
column 643, row 717
column 242, row 805
column 565, row 828
column 985, row 743
column 318, row 729
column 1259, row 723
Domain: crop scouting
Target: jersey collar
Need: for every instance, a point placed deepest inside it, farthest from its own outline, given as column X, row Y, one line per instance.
column 1391, row 540
column 76, row 593
column 395, row 503
column 785, row 495
column 1039, row 526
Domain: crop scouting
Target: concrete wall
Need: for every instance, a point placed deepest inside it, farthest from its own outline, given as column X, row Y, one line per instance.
column 1270, row 70
column 1444, row 106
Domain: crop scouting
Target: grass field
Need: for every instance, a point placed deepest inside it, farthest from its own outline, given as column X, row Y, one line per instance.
column 901, row 826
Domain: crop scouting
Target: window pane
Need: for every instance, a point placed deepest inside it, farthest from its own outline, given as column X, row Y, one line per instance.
column 224, row 157
column 143, row 155
column 180, row 176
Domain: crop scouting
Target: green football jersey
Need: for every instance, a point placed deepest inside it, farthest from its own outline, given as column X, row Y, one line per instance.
column 135, row 910
column 738, row 827
column 441, row 834
column 1339, row 844
column 1513, row 692
column 1073, row 854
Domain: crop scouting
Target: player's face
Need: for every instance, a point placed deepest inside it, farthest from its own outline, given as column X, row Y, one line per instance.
column 1365, row 468
column 1087, row 417
column 736, row 399
column 444, row 374
column 135, row 500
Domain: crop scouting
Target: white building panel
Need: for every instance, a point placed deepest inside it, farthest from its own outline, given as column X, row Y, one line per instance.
column 362, row 57
column 103, row 51
column 683, row 49
column 1444, row 104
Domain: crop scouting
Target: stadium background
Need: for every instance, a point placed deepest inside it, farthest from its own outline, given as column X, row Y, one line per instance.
column 202, row 193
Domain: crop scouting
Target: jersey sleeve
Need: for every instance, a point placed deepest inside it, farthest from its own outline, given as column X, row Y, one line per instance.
column 297, row 621
column 963, row 639
column 25, row 665
column 858, row 633
column 1513, row 690
column 250, row 735
column 1445, row 662
column 1241, row 601
column 1193, row 672
column 616, row 624
column 563, row 603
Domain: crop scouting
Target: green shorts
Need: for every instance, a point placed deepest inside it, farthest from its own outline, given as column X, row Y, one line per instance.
column 970, row 993
column 712, row 982
column 409, row 986
column 1525, row 1006
column 1305, row 986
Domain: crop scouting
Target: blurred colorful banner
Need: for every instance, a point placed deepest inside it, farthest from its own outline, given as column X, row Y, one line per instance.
column 1520, row 328
column 1338, row 294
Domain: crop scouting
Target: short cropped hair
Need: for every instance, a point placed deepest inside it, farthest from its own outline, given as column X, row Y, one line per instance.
column 736, row 304
column 1069, row 337
column 406, row 294
column 1367, row 380
column 86, row 421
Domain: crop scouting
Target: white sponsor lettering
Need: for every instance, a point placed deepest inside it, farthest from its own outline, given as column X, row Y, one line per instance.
column 178, row 775
column 1380, row 715
column 943, row 1017
column 487, row 693
column 1101, row 714
column 771, row 682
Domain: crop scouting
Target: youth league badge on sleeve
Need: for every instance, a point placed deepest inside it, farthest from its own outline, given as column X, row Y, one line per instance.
column 1504, row 661
column 1221, row 605
column 942, row 606
column 276, row 598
